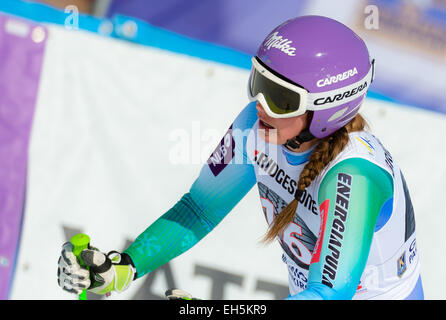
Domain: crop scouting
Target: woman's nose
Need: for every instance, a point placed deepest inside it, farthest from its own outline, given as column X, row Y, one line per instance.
column 260, row 109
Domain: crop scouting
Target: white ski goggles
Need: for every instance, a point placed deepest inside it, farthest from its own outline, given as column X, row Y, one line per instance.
column 283, row 99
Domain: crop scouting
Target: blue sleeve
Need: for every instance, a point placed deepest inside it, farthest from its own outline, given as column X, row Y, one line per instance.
column 224, row 180
column 351, row 197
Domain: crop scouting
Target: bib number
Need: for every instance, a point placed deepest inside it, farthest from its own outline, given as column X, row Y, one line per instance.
column 290, row 237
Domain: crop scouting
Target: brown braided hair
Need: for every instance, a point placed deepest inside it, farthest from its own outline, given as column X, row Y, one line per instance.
column 327, row 149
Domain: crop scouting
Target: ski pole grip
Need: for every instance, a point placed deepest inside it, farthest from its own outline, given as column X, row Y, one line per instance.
column 80, row 242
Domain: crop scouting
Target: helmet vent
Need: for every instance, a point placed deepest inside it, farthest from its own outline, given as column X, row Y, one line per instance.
column 337, row 114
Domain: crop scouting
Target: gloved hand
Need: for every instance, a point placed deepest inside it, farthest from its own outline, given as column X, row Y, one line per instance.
column 107, row 273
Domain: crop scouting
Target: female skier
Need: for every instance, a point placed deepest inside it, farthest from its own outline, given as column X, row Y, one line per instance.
column 331, row 193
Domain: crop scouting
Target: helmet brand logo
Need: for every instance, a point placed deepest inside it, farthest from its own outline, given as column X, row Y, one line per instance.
column 278, row 42
column 339, row 77
column 341, row 96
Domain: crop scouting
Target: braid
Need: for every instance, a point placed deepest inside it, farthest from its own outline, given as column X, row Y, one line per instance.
column 327, row 149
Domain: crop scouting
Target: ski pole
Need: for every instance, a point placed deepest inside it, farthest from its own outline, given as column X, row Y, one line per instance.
column 80, row 242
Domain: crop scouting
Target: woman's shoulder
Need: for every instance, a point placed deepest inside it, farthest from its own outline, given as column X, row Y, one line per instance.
column 364, row 154
column 363, row 144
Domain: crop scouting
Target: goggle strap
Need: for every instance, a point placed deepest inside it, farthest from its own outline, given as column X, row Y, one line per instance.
column 296, row 142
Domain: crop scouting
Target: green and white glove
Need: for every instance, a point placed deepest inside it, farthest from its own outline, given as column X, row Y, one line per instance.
column 106, row 273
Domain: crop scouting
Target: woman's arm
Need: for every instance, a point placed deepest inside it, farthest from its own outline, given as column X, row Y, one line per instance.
column 223, row 181
column 351, row 197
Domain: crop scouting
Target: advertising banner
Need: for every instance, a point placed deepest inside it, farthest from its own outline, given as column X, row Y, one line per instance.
column 22, row 46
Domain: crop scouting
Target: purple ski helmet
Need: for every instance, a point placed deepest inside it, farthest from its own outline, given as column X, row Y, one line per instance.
column 328, row 60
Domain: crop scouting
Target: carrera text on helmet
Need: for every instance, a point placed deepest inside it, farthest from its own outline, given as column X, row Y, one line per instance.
column 339, row 77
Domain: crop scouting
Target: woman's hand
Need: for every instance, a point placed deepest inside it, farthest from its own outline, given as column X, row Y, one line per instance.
column 102, row 275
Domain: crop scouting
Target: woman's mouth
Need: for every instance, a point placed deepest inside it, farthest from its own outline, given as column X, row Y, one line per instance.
column 267, row 132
